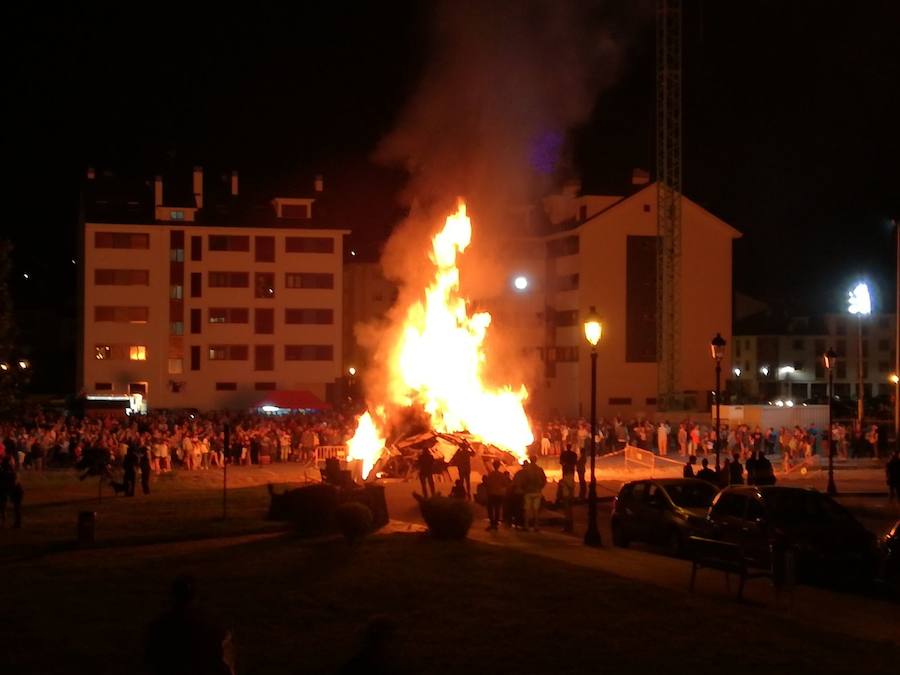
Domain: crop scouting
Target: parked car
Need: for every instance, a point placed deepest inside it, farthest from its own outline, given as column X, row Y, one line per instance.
column 818, row 537
column 889, row 563
column 664, row 512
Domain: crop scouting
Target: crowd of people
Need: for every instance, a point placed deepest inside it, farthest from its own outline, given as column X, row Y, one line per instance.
column 164, row 441
column 687, row 438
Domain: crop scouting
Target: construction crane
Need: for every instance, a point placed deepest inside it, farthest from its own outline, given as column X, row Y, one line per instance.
column 668, row 194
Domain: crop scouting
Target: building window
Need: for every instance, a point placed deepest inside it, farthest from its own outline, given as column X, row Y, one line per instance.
column 196, row 249
column 799, row 344
column 176, row 328
column 229, row 315
column 176, row 292
column 567, row 282
column 121, row 240
column 820, row 347
column 884, row 345
column 226, row 386
column 228, row 242
column 228, row 352
column 195, row 357
column 840, row 326
column 619, row 401
column 264, row 249
column 103, row 386
column 102, row 352
column 295, row 211
column 176, row 366
column 841, row 348
column 561, row 247
column 264, row 357
column 737, row 348
column 566, row 317
column 308, row 280
column 309, row 245
column 176, row 255
column 176, row 215
column 121, row 314
column 264, row 386
column 137, row 353
column 883, row 366
column 228, row 279
column 105, row 277
column 308, row 353
column 196, row 284
column 264, row 321
column 309, row 316
column 196, row 320
column 884, row 323
column 265, row 284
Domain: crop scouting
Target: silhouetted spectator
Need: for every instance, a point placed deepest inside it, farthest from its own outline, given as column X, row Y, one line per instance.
column 10, row 490
column 706, row 473
column 496, row 484
column 145, row 470
column 580, row 468
column 736, row 471
column 184, row 641
column 688, row 471
column 458, row 491
column 129, row 467
column 375, row 655
column 892, row 473
column 425, row 467
column 462, row 460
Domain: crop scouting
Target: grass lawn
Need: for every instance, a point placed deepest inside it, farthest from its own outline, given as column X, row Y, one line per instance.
column 297, row 606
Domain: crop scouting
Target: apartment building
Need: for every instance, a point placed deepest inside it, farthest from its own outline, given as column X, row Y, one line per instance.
column 195, row 296
column 601, row 251
column 781, row 358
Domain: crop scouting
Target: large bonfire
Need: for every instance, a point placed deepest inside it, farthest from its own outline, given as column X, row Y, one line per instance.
column 438, row 361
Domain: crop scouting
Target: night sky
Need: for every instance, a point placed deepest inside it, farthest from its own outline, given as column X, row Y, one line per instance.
column 791, row 122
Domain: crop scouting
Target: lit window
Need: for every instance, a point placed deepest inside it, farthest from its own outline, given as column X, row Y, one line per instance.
column 176, row 215
column 102, row 352
column 137, row 353
column 176, row 292
column 176, row 328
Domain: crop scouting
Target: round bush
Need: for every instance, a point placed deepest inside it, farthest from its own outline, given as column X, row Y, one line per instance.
column 354, row 520
column 447, row 518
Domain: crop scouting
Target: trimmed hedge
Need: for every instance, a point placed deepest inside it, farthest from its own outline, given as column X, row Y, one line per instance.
column 354, row 520
column 447, row 518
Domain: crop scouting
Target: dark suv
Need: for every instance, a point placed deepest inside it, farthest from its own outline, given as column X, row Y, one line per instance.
column 819, row 536
column 665, row 512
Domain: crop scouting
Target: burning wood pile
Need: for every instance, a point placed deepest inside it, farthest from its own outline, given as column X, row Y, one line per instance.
column 436, row 366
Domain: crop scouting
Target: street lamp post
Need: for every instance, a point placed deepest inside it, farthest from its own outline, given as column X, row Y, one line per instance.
column 895, row 380
column 593, row 329
column 830, row 358
column 717, row 349
column 860, row 303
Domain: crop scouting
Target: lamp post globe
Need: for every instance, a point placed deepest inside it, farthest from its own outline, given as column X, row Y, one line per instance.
column 593, row 331
column 717, row 351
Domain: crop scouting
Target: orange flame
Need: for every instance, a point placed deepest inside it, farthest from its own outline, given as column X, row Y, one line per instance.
column 366, row 444
column 439, row 358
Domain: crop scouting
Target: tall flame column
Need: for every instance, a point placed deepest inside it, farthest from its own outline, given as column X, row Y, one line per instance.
column 593, row 329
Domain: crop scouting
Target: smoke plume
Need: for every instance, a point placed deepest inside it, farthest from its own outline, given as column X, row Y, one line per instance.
column 505, row 82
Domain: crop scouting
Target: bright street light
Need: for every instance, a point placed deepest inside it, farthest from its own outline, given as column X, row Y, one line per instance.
column 764, row 370
column 859, row 301
column 352, row 371
column 736, row 371
column 520, row 282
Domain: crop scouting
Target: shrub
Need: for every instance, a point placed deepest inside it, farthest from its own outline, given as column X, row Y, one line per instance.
column 310, row 508
column 354, row 520
column 447, row 518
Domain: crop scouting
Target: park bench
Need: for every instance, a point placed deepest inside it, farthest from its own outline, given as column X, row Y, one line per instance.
column 725, row 557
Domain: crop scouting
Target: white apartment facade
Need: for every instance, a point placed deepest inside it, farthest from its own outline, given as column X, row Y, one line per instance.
column 194, row 314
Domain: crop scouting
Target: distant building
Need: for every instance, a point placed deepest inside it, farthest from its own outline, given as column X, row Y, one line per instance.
column 601, row 251
column 195, row 296
column 777, row 358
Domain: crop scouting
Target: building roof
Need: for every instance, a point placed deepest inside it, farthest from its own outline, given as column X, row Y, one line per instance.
column 572, row 225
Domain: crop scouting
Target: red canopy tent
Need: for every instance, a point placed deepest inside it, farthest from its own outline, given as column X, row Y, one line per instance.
column 292, row 399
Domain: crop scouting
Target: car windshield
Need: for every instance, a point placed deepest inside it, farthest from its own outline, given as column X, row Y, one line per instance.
column 691, row 495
